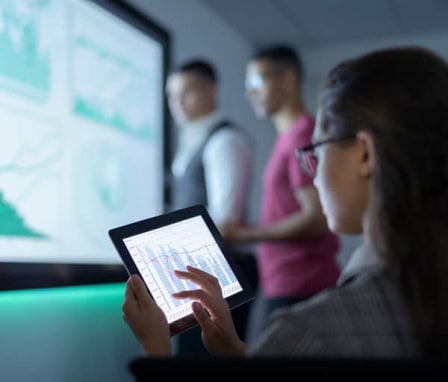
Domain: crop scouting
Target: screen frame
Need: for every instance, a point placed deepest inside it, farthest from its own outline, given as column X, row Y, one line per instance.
column 119, row 234
column 30, row 275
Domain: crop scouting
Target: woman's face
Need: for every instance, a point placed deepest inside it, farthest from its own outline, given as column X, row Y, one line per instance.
column 341, row 182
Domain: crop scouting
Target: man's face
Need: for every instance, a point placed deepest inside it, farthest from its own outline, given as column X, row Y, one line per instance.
column 264, row 87
column 189, row 97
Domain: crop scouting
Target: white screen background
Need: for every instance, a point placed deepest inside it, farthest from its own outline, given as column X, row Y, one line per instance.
column 81, row 121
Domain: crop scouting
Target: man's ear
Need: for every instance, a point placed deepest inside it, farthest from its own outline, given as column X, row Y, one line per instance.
column 367, row 153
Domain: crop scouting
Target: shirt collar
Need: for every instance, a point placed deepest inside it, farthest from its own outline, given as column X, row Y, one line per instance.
column 192, row 132
column 364, row 257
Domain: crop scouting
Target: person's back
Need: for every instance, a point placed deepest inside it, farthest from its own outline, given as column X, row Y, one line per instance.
column 363, row 317
column 212, row 165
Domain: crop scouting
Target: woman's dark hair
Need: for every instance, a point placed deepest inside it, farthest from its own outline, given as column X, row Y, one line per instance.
column 400, row 96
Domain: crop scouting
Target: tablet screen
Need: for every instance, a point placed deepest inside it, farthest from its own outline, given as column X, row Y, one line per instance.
column 159, row 252
column 156, row 247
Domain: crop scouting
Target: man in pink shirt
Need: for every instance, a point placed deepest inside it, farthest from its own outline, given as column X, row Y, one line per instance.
column 297, row 254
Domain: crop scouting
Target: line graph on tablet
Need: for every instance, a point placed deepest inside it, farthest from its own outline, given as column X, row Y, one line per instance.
column 158, row 253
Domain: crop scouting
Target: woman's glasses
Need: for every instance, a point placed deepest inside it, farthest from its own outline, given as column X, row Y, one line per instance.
column 307, row 156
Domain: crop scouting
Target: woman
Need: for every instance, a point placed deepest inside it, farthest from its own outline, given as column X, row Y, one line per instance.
column 380, row 158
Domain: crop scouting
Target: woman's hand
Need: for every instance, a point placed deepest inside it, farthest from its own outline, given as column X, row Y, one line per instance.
column 145, row 318
column 212, row 313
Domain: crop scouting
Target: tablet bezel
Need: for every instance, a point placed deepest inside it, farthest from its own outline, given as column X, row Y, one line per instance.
column 119, row 234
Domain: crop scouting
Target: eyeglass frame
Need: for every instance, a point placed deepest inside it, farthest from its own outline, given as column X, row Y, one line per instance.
column 302, row 152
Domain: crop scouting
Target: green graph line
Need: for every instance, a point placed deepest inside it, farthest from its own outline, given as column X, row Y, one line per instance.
column 22, row 60
column 16, row 164
column 117, row 120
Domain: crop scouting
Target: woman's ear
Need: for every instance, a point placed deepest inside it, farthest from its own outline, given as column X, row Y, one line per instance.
column 365, row 140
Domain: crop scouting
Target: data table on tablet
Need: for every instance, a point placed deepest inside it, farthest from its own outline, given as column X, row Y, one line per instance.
column 156, row 247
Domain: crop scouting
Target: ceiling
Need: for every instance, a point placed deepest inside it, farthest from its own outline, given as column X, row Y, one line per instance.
column 315, row 22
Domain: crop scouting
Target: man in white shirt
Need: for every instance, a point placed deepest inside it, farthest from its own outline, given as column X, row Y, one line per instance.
column 212, row 166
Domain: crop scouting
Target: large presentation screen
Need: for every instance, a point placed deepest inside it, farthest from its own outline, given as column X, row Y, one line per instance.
column 82, row 119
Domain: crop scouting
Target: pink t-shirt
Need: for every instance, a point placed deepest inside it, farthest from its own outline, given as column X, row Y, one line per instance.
column 292, row 268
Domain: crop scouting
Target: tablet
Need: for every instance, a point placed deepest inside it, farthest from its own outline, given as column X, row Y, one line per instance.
column 155, row 247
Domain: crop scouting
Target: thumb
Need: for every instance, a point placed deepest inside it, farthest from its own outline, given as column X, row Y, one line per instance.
column 139, row 288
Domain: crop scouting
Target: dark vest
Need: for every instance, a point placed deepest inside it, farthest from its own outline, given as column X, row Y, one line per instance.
column 191, row 189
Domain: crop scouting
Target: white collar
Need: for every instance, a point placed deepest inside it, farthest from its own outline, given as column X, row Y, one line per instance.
column 195, row 132
column 363, row 257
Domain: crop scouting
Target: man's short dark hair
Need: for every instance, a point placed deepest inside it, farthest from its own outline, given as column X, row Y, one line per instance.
column 282, row 56
column 201, row 68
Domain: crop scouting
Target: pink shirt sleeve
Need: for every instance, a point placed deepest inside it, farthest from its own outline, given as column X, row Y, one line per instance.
column 300, row 136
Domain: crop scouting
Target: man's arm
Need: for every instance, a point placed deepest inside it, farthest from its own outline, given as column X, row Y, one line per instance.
column 307, row 223
column 228, row 169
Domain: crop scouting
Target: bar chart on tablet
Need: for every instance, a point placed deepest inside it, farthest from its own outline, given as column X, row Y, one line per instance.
column 158, row 253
